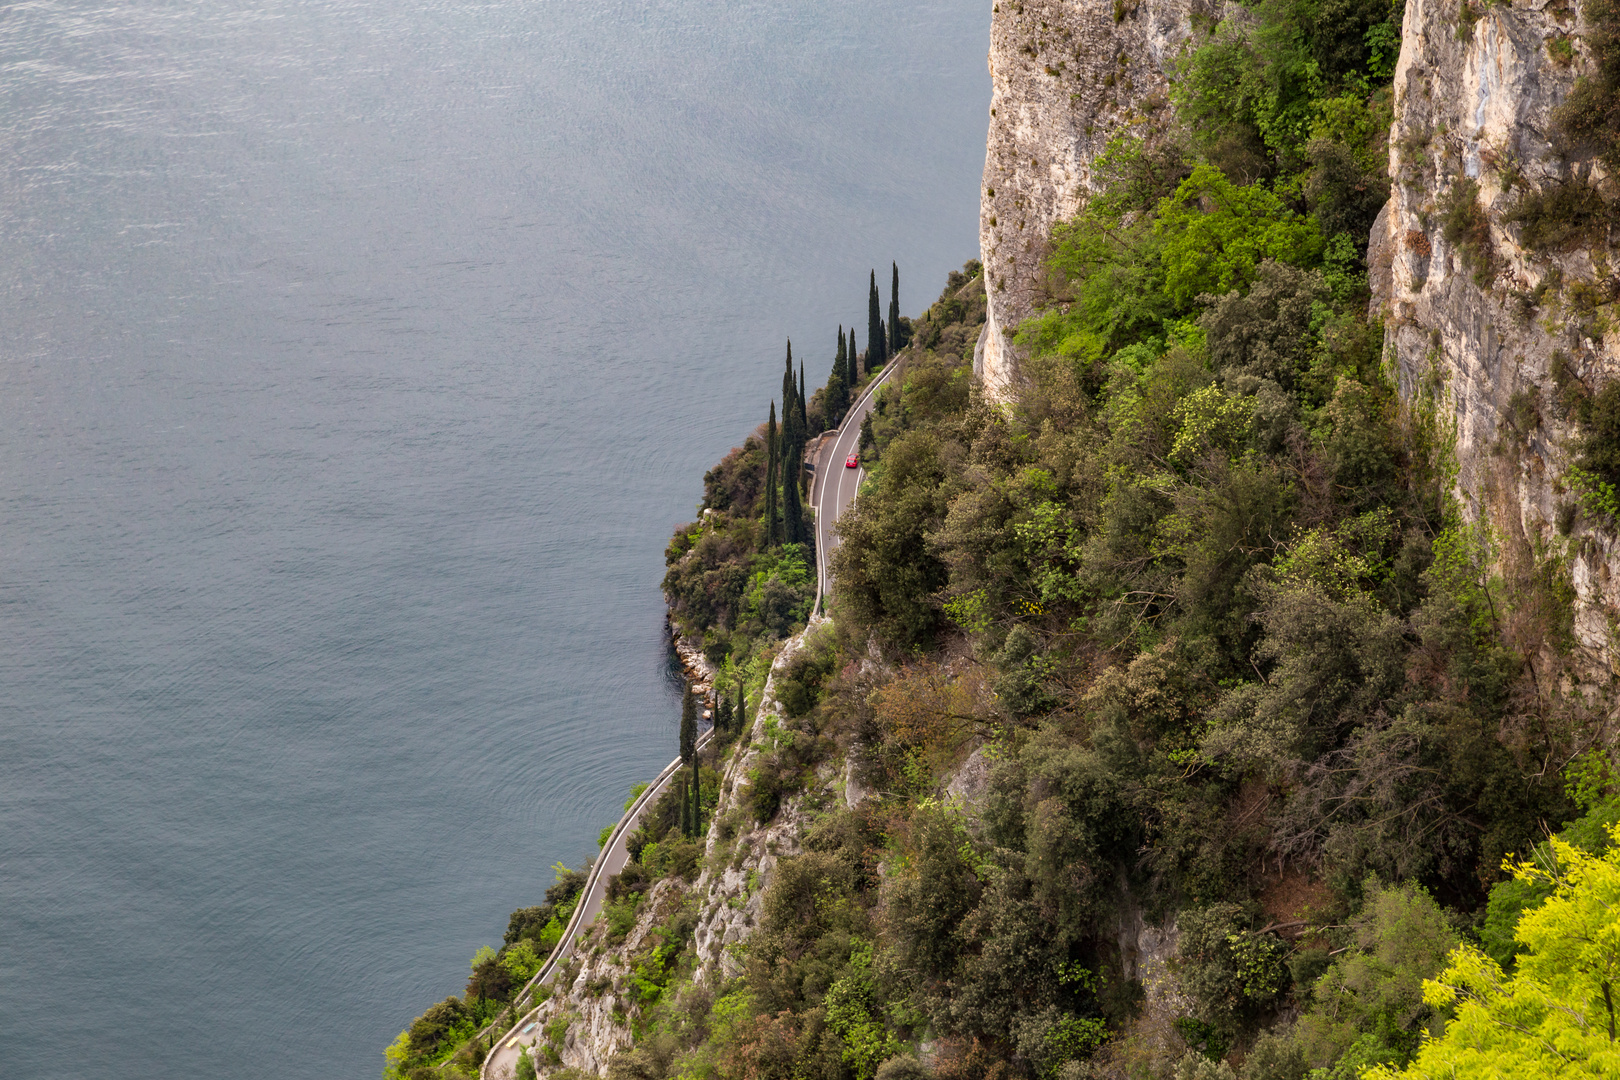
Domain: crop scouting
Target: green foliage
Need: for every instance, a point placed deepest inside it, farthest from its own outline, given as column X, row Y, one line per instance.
column 1230, row 970
column 1510, row 899
column 1596, row 475
column 521, row 961
column 439, row 1030
column 1554, row 1016
column 1373, row 994
column 1463, row 223
column 1216, row 234
column 852, row 1015
column 1589, row 118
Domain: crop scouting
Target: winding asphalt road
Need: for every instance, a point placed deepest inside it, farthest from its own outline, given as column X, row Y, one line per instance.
column 834, row 485
column 832, row 490
column 502, row 1061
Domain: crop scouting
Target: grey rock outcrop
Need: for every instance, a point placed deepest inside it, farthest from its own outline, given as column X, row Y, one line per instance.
column 1066, row 76
column 1472, row 323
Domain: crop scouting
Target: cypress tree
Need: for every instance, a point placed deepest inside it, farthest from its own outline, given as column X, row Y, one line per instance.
column 722, row 712
column 792, row 432
column 854, row 376
column 686, row 807
column 770, row 479
column 697, row 801
column 804, row 415
column 874, row 327
column 792, row 506
column 742, row 705
column 688, row 725
column 894, row 312
column 837, row 387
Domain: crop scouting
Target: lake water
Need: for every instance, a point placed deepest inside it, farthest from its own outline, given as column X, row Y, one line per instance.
column 356, row 359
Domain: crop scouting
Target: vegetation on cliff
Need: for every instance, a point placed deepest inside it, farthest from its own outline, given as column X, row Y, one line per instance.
column 1173, row 722
column 1191, row 647
column 742, row 576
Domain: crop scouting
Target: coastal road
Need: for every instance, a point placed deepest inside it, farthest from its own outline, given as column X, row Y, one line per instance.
column 502, row 1061
column 833, row 489
column 834, row 485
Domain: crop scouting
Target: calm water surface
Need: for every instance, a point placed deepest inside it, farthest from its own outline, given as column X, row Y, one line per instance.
column 356, row 359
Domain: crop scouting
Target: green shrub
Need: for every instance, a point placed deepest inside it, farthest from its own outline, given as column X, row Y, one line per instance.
column 1230, row 970
column 1588, row 121
column 1375, row 989
column 1216, row 234
column 1465, row 226
column 442, row 1027
column 1560, row 216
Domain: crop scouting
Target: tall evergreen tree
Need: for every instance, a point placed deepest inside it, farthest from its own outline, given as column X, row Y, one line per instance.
column 804, row 413
column 772, row 538
column 874, row 327
column 854, row 363
column 894, row 312
column 688, row 725
column 722, row 712
column 792, row 432
column 792, row 504
column 697, row 801
column 742, row 705
column 686, row 806
column 838, row 385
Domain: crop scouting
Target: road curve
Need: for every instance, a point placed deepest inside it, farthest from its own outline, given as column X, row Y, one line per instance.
column 834, row 486
column 608, row 863
column 833, row 489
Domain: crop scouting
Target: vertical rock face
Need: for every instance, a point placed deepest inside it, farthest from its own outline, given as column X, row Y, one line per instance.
column 1067, row 76
column 1475, row 320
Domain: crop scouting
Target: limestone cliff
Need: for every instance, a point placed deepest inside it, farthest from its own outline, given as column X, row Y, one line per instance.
column 1066, row 77
column 1473, row 321
column 1471, row 311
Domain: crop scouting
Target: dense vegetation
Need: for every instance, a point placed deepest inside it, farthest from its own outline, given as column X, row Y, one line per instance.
column 1200, row 735
column 1203, row 619
column 742, row 576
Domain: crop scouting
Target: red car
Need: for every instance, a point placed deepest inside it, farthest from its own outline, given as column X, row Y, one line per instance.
column 853, row 461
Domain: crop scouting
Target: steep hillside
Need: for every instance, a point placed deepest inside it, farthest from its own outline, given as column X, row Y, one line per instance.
column 1066, row 77
column 1502, row 290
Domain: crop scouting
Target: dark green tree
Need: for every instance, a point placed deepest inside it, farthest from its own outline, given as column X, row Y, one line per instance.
column 792, row 504
column 697, row 801
column 854, row 360
column 772, row 538
column 686, row 805
column 722, row 712
column 894, row 312
column 742, row 705
column 874, row 327
column 792, row 432
column 688, row 725
column 837, row 397
column 804, row 416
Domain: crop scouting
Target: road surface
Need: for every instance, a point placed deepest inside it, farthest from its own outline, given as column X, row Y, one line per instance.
column 832, row 490
column 835, row 485
column 503, row 1060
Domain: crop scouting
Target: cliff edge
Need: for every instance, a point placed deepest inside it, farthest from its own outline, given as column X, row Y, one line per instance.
column 1066, row 78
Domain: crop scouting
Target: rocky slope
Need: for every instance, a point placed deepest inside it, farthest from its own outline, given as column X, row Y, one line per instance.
column 588, row 1019
column 1473, row 321
column 1479, row 317
column 1066, row 76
